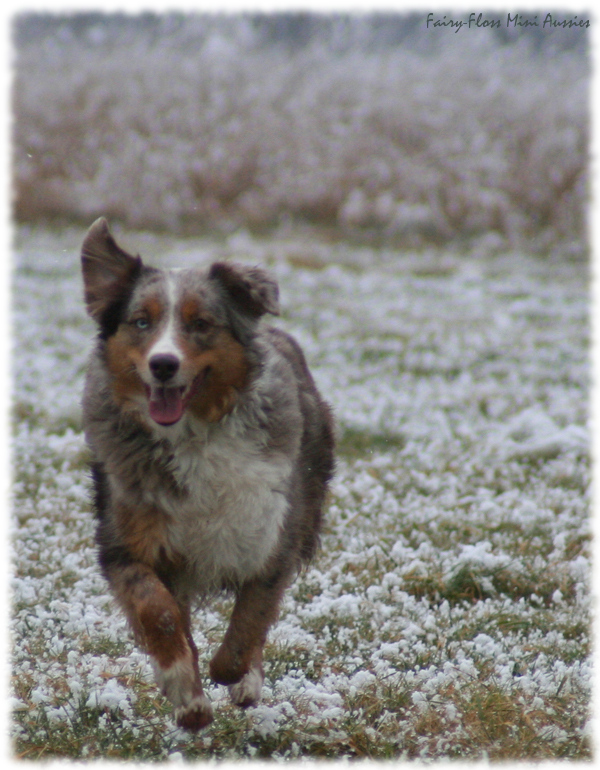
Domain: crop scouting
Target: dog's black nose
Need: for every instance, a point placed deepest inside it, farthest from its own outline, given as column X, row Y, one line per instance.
column 164, row 366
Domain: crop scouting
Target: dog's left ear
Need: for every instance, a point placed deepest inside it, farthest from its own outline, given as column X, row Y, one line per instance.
column 252, row 289
column 108, row 270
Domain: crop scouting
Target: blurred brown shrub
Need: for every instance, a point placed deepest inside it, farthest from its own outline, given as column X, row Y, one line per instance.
column 214, row 131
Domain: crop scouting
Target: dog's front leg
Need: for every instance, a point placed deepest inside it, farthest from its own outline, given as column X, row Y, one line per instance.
column 238, row 661
column 162, row 626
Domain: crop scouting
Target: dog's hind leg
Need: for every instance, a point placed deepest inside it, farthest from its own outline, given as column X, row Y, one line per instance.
column 238, row 661
column 162, row 627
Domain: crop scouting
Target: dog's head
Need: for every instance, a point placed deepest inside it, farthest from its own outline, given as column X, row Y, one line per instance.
column 175, row 341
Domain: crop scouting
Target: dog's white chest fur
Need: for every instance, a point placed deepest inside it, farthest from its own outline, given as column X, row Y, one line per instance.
column 231, row 520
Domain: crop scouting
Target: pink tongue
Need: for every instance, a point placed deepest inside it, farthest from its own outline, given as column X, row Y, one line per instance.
column 166, row 405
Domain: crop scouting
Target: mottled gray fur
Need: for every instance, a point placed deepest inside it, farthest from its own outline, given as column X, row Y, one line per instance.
column 203, row 505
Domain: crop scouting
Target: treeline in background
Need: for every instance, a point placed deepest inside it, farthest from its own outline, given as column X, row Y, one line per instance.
column 363, row 126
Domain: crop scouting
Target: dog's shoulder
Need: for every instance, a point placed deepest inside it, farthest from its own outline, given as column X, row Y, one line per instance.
column 296, row 405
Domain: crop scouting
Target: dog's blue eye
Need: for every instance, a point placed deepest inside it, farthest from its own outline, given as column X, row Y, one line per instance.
column 142, row 323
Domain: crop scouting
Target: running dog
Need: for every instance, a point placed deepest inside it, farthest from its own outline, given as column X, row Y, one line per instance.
column 212, row 452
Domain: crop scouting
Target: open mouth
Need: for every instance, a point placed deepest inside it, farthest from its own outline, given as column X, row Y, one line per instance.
column 167, row 404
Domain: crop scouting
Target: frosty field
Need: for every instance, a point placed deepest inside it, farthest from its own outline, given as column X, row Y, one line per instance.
column 212, row 122
column 448, row 612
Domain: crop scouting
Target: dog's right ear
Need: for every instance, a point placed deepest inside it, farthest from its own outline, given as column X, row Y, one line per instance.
column 108, row 271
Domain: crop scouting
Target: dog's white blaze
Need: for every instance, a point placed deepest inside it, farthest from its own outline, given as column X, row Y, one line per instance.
column 167, row 341
column 248, row 689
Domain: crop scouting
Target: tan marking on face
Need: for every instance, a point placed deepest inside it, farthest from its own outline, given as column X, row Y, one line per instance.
column 190, row 310
column 228, row 375
column 154, row 308
column 124, row 359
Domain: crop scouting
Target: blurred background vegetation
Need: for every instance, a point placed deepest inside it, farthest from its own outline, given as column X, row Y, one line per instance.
column 355, row 126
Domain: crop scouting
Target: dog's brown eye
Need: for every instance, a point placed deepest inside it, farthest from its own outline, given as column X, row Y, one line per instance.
column 201, row 325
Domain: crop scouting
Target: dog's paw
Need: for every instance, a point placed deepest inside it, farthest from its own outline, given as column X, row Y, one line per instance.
column 196, row 715
column 247, row 691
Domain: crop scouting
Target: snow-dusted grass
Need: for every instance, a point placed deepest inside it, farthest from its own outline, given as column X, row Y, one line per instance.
column 195, row 123
column 447, row 614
